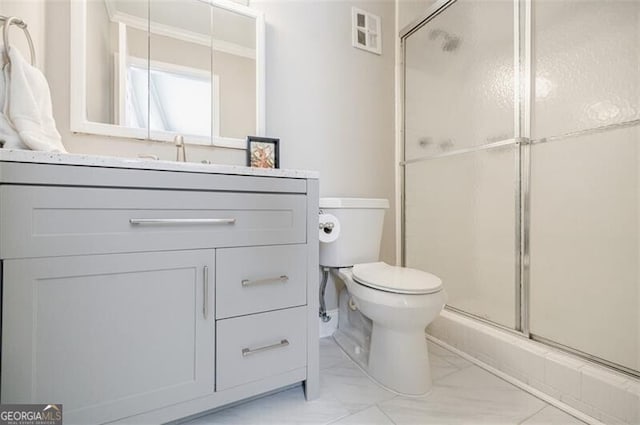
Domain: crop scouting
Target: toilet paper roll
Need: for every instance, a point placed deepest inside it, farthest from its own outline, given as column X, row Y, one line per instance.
column 328, row 228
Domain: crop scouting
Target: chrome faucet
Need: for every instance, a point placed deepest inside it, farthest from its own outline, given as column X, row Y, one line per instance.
column 179, row 142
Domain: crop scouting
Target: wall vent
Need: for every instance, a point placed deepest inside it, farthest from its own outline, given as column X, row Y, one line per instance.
column 366, row 31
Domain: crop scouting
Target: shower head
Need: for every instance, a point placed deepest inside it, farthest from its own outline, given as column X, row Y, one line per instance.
column 449, row 42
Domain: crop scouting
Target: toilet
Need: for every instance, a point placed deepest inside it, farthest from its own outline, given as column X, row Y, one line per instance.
column 385, row 309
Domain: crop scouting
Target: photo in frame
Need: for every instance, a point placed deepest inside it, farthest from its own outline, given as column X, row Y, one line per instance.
column 263, row 152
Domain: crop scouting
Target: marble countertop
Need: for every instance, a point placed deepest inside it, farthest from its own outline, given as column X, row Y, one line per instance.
column 38, row 157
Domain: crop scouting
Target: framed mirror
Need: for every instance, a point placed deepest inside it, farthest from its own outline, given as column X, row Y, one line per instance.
column 156, row 69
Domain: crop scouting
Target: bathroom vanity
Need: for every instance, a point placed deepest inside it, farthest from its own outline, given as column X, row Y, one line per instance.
column 147, row 291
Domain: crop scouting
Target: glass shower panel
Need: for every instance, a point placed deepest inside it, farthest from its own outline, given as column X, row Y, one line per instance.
column 586, row 65
column 459, row 79
column 585, row 212
column 460, row 225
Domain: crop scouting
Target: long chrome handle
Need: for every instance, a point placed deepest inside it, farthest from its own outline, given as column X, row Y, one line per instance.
column 205, row 290
column 247, row 282
column 249, row 351
column 182, row 220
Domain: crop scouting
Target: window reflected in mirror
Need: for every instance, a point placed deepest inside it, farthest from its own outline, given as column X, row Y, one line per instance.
column 170, row 67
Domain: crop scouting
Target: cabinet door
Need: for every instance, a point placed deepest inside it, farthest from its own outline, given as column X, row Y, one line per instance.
column 108, row 335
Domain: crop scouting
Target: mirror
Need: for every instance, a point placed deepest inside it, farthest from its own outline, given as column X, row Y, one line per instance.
column 155, row 69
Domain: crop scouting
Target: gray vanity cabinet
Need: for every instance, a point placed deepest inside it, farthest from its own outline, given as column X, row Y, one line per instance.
column 109, row 335
column 146, row 296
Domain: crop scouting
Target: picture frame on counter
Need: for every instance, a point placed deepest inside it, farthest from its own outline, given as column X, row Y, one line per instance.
column 263, row 152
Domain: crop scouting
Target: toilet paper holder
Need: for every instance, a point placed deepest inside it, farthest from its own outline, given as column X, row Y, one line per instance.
column 327, row 227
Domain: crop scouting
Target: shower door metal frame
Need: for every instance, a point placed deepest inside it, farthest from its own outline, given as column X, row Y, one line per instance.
column 523, row 98
column 524, row 86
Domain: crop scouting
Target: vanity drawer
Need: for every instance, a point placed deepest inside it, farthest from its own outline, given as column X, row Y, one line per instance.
column 257, row 279
column 38, row 221
column 254, row 347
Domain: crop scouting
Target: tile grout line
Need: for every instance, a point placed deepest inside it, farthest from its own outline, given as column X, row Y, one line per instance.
column 516, row 382
column 533, row 414
column 385, row 413
column 360, row 411
column 348, row 415
column 448, row 375
column 445, row 358
column 458, row 368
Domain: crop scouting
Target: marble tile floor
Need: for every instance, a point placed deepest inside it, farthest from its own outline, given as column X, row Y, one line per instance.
column 462, row 394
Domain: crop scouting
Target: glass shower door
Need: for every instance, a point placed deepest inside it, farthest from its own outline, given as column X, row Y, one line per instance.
column 585, row 179
column 540, row 234
column 461, row 157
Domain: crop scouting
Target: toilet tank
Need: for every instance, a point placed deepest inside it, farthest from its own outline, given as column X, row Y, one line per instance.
column 361, row 221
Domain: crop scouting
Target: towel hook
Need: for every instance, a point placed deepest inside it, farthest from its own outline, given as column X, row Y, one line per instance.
column 12, row 20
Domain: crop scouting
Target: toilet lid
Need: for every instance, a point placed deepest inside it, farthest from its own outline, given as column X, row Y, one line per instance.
column 400, row 280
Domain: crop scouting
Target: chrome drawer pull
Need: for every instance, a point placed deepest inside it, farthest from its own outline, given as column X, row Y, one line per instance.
column 205, row 292
column 182, row 221
column 247, row 282
column 248, row 351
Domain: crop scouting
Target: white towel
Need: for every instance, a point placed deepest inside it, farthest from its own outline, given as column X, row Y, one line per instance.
column 9, row 138
column 27, row 108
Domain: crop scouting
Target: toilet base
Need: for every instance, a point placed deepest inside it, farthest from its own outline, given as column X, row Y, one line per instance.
column 400, row 360
column 397, row 354
column 360, row 355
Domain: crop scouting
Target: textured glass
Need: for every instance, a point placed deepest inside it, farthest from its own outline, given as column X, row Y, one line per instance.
column 459, row 79
column 586, row 64
column 460, row 226
column 585, row 212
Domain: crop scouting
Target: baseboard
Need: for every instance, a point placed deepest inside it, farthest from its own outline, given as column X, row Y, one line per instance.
column 603, row 395
column 510, row 379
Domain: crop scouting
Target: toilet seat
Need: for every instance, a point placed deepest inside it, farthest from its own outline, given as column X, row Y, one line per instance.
column 398, row 280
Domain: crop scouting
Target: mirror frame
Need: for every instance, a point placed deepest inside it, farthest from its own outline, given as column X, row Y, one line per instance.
column 79, row 122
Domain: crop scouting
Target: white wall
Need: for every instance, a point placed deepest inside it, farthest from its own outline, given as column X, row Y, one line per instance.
column 411, row 10
column 332, row 105
column 33, row 14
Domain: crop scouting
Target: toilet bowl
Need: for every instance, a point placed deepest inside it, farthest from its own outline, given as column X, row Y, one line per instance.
column 399, row 302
